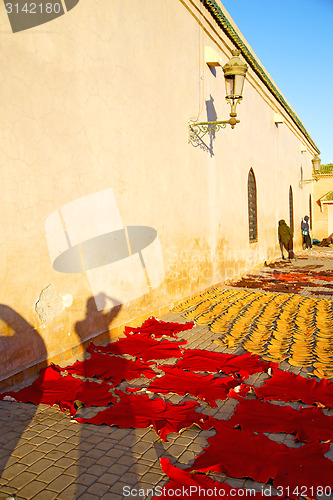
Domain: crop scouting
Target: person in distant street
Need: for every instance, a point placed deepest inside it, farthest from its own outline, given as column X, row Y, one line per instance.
column 306, row 233
column 286, row 238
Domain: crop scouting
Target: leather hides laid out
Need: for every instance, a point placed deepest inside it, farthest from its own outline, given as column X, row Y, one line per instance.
column 158, row 328
column 244, row 454
column 51, row 388
column 237, row 453
column 113, row 368
column 139, row 411
column 286, row 386
column 308, row 424
column 244, row 365
column 141, row 347
column 205, row 387
column 199, row 486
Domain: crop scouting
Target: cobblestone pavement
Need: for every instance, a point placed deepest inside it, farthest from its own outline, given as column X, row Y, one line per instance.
column 45, row 455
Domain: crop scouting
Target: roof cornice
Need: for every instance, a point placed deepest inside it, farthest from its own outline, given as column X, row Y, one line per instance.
column 327, row 197
column 228, row 29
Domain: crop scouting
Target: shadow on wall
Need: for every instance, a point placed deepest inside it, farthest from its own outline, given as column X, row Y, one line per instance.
column 26, row 15
column 211, row 117
column 97, row 321
column 87, row 235
column 198, row 132
column 18, row 340
column 18, row 420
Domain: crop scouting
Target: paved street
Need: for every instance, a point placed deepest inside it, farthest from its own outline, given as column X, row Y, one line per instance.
column 45, row 455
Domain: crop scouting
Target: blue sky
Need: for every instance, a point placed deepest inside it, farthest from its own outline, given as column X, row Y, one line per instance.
column 294, row 42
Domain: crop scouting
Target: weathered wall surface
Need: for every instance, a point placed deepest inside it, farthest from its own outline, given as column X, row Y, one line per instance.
column 104, row 203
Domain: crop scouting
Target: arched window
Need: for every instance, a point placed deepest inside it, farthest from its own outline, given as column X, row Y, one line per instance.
column 252, row 202
column 291, row 209
column 310, row 211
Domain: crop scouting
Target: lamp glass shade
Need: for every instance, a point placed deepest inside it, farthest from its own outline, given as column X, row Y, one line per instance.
column 316, row 163
column 230, row 85
column 234, row 86
column 238, row 86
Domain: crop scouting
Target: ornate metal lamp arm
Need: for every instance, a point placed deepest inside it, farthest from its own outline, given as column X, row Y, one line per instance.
column 197, row 130
column 315, row 178
column 315, row 171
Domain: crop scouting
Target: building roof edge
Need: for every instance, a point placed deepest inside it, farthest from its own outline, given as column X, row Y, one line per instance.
column 327, row 197
column 223, row 22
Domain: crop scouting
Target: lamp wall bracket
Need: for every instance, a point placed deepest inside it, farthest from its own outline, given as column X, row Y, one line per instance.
column 197, row 130
column 315, row 178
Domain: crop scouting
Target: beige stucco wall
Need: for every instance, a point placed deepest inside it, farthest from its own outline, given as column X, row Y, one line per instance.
column 321, row 227
column 99, row 100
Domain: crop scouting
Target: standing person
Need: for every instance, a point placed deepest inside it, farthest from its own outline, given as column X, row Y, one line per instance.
column 286, row 238
column 306, row 233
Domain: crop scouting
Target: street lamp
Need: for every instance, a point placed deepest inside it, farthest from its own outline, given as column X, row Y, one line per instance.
column 234, row 73
column 316, row 164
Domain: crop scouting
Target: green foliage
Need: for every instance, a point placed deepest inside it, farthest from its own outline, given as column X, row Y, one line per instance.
column 326, row 169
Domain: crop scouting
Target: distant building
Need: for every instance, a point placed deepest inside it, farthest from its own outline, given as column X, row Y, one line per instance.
column 323, row 202
column 105, row 201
